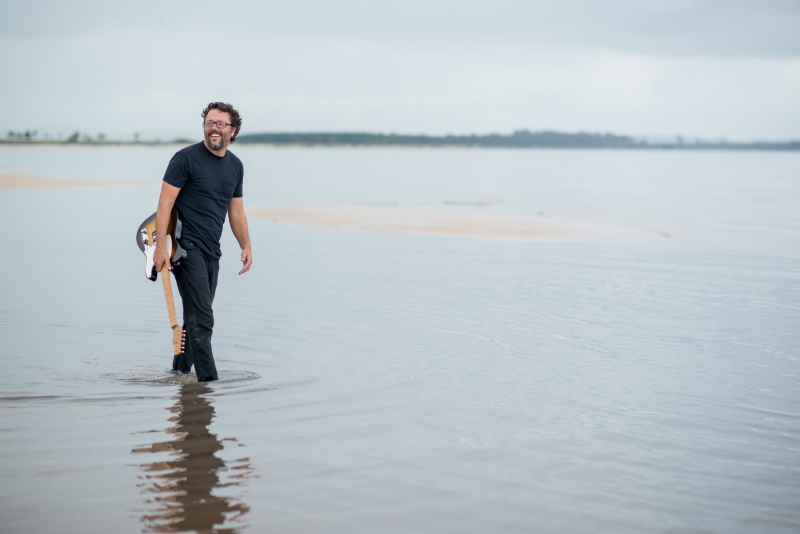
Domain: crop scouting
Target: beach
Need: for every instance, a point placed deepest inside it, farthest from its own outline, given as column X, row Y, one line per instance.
column 22, row 181
column 447, row 219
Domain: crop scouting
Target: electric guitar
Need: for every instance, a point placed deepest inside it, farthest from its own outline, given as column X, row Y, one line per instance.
column 146, row 239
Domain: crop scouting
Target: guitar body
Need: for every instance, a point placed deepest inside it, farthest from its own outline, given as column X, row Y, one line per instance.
column 146, row 240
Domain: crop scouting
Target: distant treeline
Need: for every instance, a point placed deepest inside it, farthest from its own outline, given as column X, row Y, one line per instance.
column 518, row 139
column 32, row 137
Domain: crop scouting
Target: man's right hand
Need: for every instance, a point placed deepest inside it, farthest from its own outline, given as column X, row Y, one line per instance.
column 160, row 257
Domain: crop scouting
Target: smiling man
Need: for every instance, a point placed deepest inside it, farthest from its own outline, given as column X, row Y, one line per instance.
column 204, row 183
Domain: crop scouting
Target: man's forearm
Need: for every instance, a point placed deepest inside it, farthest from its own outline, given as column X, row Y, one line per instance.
column 165, row 202
column 240, row 231
column 162, row 221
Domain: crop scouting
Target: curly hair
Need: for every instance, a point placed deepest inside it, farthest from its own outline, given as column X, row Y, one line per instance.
column 236, row 119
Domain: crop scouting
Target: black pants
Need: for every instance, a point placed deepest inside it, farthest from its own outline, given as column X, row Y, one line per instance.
column 197, row 282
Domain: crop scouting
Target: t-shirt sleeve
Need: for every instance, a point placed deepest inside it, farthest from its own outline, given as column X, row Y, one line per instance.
column 238, row 191
column 177, row 173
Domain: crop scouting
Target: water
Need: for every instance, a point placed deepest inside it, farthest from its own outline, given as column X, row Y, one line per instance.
column 376, row 382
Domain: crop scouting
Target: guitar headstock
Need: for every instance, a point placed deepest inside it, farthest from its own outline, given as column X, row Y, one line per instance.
column 178, row 340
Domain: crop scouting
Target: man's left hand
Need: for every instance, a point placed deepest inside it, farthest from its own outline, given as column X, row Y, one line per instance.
column 247, row 260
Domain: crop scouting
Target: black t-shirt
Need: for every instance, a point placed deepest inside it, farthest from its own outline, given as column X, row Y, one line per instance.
column 208, row 183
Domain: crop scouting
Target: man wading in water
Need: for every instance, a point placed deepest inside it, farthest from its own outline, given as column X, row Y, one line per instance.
column 204, row 183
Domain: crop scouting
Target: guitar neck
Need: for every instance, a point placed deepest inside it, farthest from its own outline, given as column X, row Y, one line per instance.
column 177, row 331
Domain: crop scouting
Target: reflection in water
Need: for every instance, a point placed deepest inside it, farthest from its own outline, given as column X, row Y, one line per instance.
column 183, row 485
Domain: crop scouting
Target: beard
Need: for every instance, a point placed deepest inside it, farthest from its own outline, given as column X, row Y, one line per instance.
column 217, row 146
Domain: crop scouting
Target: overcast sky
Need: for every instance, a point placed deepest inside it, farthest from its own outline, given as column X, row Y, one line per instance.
column 698, row 68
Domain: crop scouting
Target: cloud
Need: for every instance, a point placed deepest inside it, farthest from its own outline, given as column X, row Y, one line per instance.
column 680, row 27
column 440, row 67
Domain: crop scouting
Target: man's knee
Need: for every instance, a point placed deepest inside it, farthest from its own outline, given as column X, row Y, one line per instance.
column 199, row 327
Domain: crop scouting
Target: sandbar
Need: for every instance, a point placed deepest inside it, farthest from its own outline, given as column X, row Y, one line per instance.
column 26, row 181
column 476, row 220
column 451, row 220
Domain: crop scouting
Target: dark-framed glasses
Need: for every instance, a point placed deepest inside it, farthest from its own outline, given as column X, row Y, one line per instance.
column 220, row 124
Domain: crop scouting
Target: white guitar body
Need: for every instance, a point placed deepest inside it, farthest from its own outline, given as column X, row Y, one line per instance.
column 146, row 241
column 149, row 251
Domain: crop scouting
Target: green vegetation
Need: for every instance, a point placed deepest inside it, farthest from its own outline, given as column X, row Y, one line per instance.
column 30, row 137
column 518, row 139
column 26, row 136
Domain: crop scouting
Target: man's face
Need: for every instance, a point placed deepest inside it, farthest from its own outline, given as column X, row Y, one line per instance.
column 218, row 138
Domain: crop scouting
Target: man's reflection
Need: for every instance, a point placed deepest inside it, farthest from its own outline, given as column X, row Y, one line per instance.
column 183, row 485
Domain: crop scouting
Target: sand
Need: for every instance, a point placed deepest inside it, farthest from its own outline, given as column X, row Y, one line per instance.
column 25, row 181
column 456, row 219
column 447, row 219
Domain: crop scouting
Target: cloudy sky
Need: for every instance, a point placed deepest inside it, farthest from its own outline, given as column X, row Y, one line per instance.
column 705, row 69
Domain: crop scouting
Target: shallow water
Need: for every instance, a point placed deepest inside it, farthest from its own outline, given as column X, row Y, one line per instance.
column 388, row 382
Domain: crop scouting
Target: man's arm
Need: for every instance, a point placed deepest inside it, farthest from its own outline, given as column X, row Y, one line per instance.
column 165, row 202
column 238, row 220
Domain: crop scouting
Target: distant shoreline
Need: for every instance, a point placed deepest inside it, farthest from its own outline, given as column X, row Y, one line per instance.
column 522, row 139
column 518, row 139
column 95, row 143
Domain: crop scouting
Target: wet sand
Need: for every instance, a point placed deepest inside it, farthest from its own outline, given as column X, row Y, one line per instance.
column 25, row 181
column 432, row 220
column 450, row 219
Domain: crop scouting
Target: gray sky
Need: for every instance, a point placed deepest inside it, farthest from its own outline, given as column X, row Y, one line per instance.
column 707, row 69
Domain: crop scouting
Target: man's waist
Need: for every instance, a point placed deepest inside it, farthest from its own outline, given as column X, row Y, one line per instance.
column 191, row 242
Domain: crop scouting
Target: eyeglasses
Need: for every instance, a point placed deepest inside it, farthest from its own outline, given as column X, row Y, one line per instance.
column 220, row 124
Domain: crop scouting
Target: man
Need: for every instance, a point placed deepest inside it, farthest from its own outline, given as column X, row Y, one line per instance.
column 204, row 183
